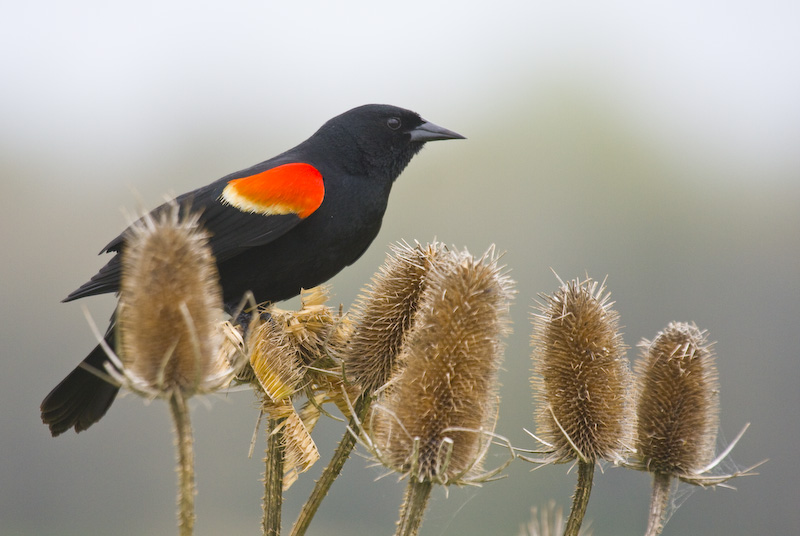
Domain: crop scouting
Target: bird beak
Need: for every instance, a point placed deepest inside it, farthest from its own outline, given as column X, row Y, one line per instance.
column 427, row 131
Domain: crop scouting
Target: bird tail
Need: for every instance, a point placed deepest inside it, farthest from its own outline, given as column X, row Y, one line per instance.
column 82, row 398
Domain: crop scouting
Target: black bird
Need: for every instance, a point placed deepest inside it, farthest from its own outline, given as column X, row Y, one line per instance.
column 291, row 222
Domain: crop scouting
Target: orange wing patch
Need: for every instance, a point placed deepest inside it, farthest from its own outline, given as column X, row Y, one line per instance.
column 287, row 189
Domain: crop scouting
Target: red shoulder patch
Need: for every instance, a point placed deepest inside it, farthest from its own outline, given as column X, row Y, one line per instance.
column 287, row 189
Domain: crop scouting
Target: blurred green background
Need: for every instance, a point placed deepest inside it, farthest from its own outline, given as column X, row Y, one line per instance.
column 655, row 144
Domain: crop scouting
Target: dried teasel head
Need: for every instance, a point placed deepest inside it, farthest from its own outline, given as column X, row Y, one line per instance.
column 170, row 308
column 383, row 314
column 289, row 354
column 315, row 333
column 274, row 353
column 581, row 377
column 285, row 347
column 311, row 327
column 436, row 420
column 678, row 403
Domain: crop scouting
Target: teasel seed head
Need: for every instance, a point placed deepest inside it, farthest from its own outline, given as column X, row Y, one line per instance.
column 581, row 377
column 383, row 314
column 678, row 403
column 170, row 308
column 434, row 418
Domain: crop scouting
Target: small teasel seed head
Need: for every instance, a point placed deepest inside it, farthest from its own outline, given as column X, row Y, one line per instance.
column 678, row 403
column 383, row 314
column 435, row 416
column 170, row 308
column 581, row 380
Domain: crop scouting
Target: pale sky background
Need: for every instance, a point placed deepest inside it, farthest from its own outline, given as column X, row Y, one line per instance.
column 658, row 144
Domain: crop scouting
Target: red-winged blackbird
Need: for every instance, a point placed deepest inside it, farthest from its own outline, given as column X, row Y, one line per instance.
column 291, row 222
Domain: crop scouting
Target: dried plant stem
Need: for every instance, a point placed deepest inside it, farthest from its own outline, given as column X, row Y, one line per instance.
column 658, row 503
column 333, row 470
column 416, row 500
column 186, row 489
column 273, row 480
column 581, row 499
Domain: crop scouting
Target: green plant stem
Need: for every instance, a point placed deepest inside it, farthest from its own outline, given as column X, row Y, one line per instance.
column 658, row 503
column 184, row 444
column 273, row 480
column 580, row 501
column 416, row 500
column 332, row 471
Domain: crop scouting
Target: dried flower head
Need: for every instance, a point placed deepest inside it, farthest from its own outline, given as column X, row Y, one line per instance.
column 436, row 420
column 678, row 405
column 309, row 328
column 170, row 308
column 383, row 314
column 315, row 333
column 286, row 348
column 582, row 380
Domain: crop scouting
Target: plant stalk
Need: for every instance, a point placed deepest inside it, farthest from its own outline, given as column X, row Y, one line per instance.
column 580, row 501
column 416, row 500
column 658, row 504
column 273, row 480
column 184, row 444
column 333, row 470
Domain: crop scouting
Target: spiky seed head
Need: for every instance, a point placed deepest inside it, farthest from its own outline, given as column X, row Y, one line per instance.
column 383, row 314
column 581, row 380
column 170, row 307
column 678, row 403
column 444, row 397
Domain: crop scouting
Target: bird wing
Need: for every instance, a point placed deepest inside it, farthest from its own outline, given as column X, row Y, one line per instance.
column 246, row 209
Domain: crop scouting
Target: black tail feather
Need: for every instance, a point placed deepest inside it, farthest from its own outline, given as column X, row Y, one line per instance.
column 104, row 281
column 82, row 398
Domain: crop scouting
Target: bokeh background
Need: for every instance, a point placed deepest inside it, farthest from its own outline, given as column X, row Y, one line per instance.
column 656, row 144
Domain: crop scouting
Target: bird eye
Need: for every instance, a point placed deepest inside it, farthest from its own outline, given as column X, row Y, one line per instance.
column 393, row 123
